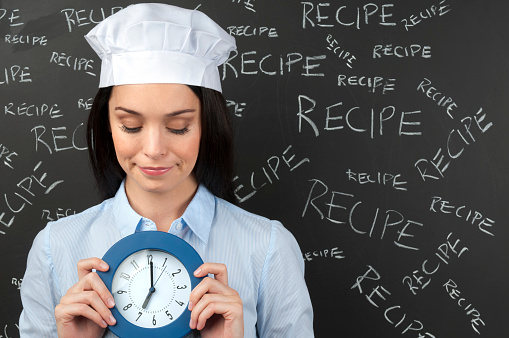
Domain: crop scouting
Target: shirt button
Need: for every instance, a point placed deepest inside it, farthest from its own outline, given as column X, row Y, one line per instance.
column 178, row 227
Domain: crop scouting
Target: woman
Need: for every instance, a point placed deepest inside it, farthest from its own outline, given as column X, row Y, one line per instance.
column 160, row 143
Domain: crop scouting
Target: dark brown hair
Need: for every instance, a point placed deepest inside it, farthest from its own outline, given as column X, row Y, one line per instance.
column 214, row 167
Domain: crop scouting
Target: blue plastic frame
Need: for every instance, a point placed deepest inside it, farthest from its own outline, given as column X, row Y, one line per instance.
column 154, row 240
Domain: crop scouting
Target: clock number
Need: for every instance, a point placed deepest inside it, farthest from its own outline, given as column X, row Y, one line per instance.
column 127, row 306
column 154, row 320
column 133, row 262
column 139, row 315
column 179, row 303
column 169, row 315
column 181, row 287
column 121, row 292
column 125, row 276
column 149, row 259
column 176, row 273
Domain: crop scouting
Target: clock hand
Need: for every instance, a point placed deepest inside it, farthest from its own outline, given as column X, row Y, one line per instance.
column 152, row 288
column 160, row 276
column 151, row 275
column 150, row 292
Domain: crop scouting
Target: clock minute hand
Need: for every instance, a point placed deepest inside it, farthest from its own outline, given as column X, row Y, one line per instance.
column 152, row 289
column 151, row 274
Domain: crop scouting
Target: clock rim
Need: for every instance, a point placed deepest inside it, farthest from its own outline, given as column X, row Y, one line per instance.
column 151, row 240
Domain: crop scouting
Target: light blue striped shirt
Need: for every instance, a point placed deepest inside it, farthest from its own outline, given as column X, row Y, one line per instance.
column 264, row 261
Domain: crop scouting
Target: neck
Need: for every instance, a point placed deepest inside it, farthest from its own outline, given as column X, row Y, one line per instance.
column 161, row 207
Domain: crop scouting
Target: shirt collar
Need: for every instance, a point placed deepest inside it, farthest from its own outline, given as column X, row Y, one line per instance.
column 126, row 218
column 198, row 215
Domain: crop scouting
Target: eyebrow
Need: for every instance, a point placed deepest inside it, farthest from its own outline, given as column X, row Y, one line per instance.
column 172, row 114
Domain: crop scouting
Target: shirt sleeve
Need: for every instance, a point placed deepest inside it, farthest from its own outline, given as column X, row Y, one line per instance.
column 284, row 306
column 39, row 291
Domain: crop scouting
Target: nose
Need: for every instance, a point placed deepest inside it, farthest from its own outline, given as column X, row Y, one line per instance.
column 155, row 144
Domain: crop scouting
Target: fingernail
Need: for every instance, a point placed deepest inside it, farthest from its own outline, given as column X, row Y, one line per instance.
column 191, row 305
column 111, row 302
column 112, row 320
column 197, row 272
column 104, row 266
column 104, row 324
column 191, row 324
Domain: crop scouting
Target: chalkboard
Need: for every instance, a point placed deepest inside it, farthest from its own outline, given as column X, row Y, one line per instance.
column 375, row 131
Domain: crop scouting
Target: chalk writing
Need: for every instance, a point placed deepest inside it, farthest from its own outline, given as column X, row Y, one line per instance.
column 84, row 17
column 252, row 64
column 7, row 155
column 378, row 178
column 14, row 74
column 248, row 4
column 78, row 64
column 371, row 83
column 32, row 110
column 441, row 162
column 57, row 133
column 433, row 11
column 26, row 40
column 340, row 52
column 452, row 289
column 237, row 107
column 337, row 117
column 345, row 15
column 11, row 16
column 420, row 279
column 273, row 166
column 441, row 99
column 252, row 31
column 412, row 51
column 446, row 208
column 343, row 208
column 17, row 282
column 59, row 213
column 394, row 314
column 24, row 194
column 85, row 104
column 325, row 253
column 5, row 335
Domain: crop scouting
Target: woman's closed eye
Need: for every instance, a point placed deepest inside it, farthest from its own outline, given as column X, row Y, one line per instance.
column 129, row 130
column 179, row 131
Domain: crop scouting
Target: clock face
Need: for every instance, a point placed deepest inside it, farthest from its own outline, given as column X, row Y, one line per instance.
column 150, row 279
column 151, row 288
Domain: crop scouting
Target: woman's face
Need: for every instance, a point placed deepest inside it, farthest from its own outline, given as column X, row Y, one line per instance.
column 156, row 132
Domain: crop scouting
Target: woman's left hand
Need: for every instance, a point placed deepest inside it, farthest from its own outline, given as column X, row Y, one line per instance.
column 216, row 309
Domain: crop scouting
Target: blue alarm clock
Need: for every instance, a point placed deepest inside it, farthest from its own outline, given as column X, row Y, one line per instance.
column 151, row 278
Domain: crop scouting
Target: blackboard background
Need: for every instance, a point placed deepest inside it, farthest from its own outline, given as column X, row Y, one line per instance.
column 469, row 62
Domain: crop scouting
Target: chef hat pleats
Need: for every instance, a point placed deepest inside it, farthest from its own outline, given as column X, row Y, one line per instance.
column 158, row 43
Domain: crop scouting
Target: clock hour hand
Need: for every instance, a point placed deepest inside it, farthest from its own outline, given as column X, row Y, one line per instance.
column 152, row 288
column 150, row 292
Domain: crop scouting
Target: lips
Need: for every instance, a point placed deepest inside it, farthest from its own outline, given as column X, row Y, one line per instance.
column 155, row 171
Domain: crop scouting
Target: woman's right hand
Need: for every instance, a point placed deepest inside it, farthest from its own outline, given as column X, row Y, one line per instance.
column 84, row 311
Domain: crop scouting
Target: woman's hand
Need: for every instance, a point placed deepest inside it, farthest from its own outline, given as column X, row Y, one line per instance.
column 216, row 309
column 84, row 310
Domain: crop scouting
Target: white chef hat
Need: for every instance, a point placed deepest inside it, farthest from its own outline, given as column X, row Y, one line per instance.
column 159, row 43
